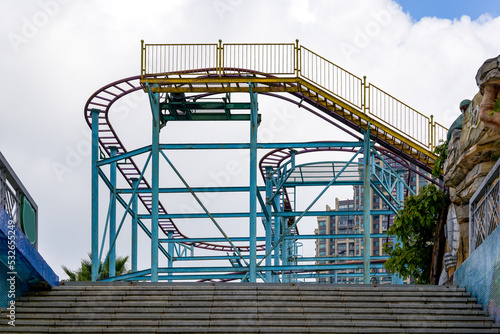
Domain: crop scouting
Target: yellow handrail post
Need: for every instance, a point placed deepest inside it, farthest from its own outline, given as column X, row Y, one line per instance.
column 431, row 133
column 297, row 61
column 142, row 59
column 364, row 99
column 220, row 60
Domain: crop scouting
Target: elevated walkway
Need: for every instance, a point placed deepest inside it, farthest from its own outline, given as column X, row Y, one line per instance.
column 293, row 68
column 249, row 308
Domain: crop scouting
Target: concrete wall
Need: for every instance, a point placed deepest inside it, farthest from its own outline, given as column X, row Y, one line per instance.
column 480, row 274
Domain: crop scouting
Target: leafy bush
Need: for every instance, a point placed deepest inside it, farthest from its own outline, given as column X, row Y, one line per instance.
column 442, row 152
column 414, row 226
column 496, row 107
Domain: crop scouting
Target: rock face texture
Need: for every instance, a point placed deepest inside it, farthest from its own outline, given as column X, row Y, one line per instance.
column 488, row 80
column 473, row 150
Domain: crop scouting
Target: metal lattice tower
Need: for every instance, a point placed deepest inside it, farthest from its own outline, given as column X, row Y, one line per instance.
column 177, row 79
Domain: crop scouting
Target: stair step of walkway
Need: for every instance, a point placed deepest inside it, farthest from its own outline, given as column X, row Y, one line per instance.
column 248, row 308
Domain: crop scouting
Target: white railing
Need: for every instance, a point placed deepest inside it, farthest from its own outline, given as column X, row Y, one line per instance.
column 484, row 209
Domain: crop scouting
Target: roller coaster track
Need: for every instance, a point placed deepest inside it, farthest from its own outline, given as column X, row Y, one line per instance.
column 103, row 99
column 339, row 96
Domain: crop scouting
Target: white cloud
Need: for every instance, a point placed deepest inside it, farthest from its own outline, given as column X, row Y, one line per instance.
column 300, row 10
column 429, row 64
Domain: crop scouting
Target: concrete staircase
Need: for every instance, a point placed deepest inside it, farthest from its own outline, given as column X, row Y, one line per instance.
column 248, row 308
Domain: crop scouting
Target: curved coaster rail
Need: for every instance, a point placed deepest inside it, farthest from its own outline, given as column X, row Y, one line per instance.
column 404, row 137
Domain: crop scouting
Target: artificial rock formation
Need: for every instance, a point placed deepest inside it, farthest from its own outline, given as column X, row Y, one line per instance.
column 488, row 80
column 472, row 152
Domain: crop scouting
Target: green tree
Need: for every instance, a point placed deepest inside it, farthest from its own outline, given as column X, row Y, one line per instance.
column 414, row 226
column 442, row 153
column 84, row 273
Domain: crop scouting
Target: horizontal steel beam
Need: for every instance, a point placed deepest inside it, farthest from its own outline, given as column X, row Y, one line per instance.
column 341, row 266
column 235, row 146
column 212, row 116
column 193, row 240
column 205, row 105
column 334, row 236
column 261, row 214
column 185, row 190
column 339, row 258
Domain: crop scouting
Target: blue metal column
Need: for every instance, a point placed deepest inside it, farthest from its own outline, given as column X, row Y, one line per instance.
column 155, row 179
column 366, row 208
column 277, row 235
column 400, row 201
column 286, row 243
column 253, row 186
column 112, row 215
column 95, row 194
column 171, row 250
column 269, row 222
column 135, row 184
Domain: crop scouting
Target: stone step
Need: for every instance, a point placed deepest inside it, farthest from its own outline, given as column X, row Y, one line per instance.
column 250, row 321
column 187, row 292
column 224, row 297
column 239, row 329
column 45, row 319
column 251, row 286
column 248, row 308
column 248, row 303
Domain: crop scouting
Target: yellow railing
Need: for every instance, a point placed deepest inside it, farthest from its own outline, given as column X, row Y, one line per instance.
column 293, row 61
column 168, row 58
column 398, row 116
column 273, row 59
column 331, row 77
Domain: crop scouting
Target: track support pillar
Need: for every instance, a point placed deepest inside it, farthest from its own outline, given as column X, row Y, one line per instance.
column 155, row 179
column 112, row 215
column 253, row 185
column 95, row 195
column 366, row 207
column 135, row 185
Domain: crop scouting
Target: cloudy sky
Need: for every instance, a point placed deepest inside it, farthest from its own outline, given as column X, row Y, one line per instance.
column 54, row 54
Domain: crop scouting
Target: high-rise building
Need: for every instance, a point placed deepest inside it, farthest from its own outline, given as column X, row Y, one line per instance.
column 349, row 249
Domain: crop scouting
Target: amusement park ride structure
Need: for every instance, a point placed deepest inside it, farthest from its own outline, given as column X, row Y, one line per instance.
column 194, row 82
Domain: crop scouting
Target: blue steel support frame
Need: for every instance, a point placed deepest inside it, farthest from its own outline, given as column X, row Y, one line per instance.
column 277, row 235
column 396, row 279
column 279, row 265
column 112, row 215
column 95, row 194
column 366, row 207
column 155, row 179
column 269, row 222
column 253, row 185
column 171, row 251
column 135, row 184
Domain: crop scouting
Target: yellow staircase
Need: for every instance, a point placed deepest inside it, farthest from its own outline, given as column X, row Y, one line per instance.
column 292, row 68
